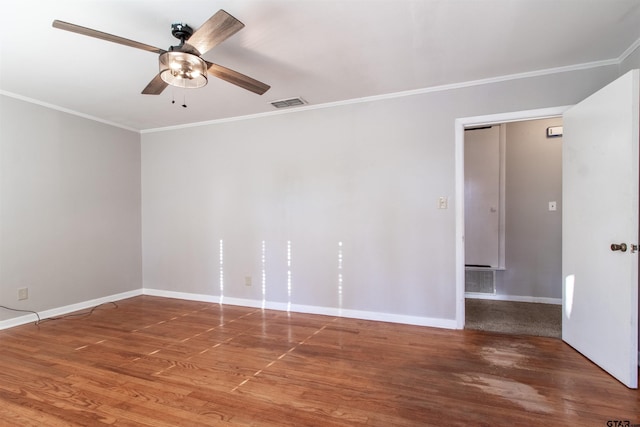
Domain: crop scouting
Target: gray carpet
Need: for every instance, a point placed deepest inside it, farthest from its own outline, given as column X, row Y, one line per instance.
column 520, row 318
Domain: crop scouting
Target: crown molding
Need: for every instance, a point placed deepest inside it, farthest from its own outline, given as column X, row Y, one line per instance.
column 65, row 110
column 629, row 51
column 439, row 88
column 402, row 94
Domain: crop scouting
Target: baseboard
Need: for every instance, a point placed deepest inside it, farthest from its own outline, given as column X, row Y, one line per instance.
column 270, row 305
column 180, row 295
column 516, row 298
column 309, row 309
column 61, row 311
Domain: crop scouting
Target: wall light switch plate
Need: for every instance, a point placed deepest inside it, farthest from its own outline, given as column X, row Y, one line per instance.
column 443, row 202
column 553, row 206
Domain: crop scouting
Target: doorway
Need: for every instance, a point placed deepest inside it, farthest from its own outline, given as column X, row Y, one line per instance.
column 513, row 193
column 600, row 135
column 521, row 295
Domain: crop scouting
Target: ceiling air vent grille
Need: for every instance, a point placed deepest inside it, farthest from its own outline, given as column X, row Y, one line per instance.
column 290, row 102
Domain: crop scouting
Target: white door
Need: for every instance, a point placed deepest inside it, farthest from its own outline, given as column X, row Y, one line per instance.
column 482, row 196
column 600, row 208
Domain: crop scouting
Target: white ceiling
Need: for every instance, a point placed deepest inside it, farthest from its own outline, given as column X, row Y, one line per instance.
column 322, row 50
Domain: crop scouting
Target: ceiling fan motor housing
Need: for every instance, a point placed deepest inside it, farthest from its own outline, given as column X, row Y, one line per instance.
column 181, row 31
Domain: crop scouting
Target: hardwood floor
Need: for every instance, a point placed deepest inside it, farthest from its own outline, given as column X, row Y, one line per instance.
column 165, row 362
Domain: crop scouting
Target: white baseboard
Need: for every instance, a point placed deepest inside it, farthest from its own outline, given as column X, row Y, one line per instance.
column 270, row 305
column 516, row 298
column 180, row 295
column 309, row 309
column 61, row 311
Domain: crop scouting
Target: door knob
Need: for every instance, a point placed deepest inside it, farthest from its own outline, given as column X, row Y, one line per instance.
column 622, row 247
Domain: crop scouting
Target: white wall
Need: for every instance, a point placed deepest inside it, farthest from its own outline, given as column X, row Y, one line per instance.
column 365, row 174
column 69, row 208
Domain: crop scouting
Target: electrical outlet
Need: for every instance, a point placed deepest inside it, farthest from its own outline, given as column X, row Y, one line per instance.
column 247, row 280
column 23, row 293
column 443, row 202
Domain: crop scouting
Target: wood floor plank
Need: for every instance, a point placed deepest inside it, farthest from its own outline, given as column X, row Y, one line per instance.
column 163, row 362
column 15, row 414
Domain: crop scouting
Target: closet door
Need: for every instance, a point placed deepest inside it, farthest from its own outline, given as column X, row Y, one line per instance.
column 482, row 196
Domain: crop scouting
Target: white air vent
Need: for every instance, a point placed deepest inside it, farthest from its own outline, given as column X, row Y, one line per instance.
column 290, row 102
column 481, row 281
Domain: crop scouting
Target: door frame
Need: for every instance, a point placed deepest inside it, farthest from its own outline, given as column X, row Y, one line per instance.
column 460, row 125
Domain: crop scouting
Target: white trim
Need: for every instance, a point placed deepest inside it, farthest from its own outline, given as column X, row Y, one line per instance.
column 459, row 221
column 181, row 295
column 298, row 308
column 17, row 321
column 61, row 311
column 308, row 309
column 515, row 298
column 393, row 95
column 460, row 125
column 629, row 51
column 65, row 110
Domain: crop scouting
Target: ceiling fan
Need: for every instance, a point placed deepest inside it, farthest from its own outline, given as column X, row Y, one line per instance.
column 182, row 65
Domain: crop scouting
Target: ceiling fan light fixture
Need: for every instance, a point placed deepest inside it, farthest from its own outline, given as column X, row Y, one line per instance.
column 181, row 65
column 183, row 69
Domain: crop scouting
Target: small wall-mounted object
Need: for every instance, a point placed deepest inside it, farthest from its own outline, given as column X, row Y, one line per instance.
column 443, row 202
column 554, row 131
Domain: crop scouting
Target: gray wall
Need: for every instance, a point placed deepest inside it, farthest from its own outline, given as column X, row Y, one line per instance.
column 69, row 208
column 366, row 175
column 533, row 234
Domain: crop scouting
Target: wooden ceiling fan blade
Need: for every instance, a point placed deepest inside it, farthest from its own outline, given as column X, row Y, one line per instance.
column 237, row 78
column 217, row 29
column 155, row 86
column 104, row 36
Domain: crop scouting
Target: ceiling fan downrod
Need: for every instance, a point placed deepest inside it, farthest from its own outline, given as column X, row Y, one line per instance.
column 181, row 31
